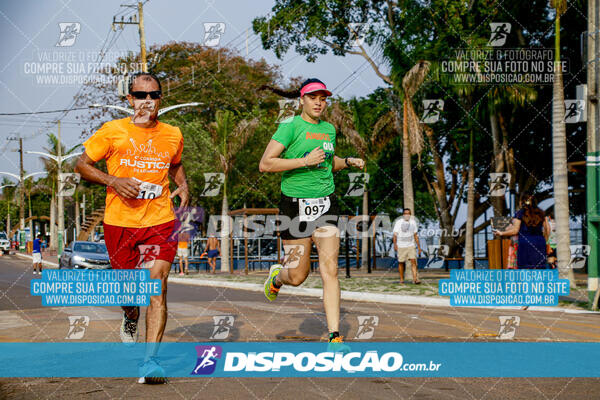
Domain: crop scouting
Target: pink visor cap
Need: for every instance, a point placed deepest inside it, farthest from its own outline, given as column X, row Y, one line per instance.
column 314, row 87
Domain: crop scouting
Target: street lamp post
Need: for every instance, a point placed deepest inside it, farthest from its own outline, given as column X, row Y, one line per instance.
column 21, row 183
column 61, row 205
column 8, row 210
column 130, row 111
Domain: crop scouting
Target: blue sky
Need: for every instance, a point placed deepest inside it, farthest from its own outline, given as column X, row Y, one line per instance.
column 30, row 31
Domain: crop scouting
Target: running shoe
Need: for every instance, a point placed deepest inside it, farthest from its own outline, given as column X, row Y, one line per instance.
column 337, row 345
column 129, row 329
column 270, row 290
column 152, row 373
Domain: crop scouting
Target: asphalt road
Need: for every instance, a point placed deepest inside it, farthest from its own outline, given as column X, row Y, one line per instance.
column 291, row 317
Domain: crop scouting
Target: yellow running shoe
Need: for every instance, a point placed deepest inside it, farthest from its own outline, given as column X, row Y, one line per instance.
column 270, row 290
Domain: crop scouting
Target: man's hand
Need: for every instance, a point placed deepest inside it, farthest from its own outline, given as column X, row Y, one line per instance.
column 395, row 247
column 125, row 187
column 184, row 195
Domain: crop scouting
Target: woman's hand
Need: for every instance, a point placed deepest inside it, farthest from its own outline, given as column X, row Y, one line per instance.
column 315, row 157
column 356, row 162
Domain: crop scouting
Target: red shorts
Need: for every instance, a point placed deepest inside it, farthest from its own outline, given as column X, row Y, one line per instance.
column 129, row 248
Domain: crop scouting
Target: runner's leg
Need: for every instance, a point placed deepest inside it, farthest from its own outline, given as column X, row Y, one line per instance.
column 156, row 315
column 327, row 240
column 296, row 262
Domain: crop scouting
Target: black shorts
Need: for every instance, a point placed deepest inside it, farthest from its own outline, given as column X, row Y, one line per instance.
column 292, row 228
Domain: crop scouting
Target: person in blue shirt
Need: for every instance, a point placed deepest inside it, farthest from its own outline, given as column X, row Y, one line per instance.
column 37, row 254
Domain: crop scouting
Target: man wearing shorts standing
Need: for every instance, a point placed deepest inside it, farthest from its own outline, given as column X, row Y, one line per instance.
column 183, row 253
column 405, row 239
column 141, row 153
column 213, row 249
column 37, row 254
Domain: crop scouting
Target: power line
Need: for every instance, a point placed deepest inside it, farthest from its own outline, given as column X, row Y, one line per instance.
column 45, row 112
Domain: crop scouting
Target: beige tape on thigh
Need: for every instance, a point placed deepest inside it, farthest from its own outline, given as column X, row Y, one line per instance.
column 293, row 255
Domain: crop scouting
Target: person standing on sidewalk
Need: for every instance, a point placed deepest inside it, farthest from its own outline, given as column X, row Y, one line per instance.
column 37, row 254
column 405, row 239
column 183, row 253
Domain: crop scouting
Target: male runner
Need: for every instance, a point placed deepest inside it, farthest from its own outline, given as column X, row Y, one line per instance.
column 37, row 254
column 141, row 153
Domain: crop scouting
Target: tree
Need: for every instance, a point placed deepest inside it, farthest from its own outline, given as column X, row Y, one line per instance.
column 559, row 157
column 226, row 136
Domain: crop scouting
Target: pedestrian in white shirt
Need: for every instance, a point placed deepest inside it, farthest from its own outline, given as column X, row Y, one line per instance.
column 405, row 239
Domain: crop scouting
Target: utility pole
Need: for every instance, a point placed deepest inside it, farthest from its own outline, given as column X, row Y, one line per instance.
column 139, row 21
column 21, row 194
column 142, row 37
column 593, row 149
column 61, row 202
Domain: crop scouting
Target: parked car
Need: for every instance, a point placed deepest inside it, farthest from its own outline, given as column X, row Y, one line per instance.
column 4, row 243
column 85, row 255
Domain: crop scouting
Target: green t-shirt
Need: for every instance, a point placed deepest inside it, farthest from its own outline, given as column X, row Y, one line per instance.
column 300, row 138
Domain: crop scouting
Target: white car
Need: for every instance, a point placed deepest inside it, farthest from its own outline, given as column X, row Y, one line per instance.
column 4, row 243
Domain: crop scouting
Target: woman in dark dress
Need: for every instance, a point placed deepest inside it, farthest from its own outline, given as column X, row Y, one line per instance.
column 532, row 228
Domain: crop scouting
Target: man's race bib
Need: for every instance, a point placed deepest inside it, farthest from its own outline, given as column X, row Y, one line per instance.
column 311, row 209
column 148, row 190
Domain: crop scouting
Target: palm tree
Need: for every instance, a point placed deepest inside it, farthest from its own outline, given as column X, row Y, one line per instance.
column 384, row 130
column 559, row 156
column 412, row 131
column 227, row 137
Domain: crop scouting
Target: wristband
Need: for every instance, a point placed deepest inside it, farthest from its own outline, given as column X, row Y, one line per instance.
column 346, row 161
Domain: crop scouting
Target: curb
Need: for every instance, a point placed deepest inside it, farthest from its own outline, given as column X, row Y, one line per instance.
column 52, row 264
column 368, row 297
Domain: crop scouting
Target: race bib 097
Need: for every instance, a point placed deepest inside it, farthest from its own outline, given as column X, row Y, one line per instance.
column 311, row 209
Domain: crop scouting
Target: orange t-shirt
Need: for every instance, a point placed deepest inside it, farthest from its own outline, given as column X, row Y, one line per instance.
column 145, row 154
column 182, row 245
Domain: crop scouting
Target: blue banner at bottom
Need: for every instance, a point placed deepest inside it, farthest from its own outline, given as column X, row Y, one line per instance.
column 301, row 359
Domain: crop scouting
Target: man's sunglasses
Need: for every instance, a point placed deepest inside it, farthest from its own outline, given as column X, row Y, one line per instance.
column 154, row 95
